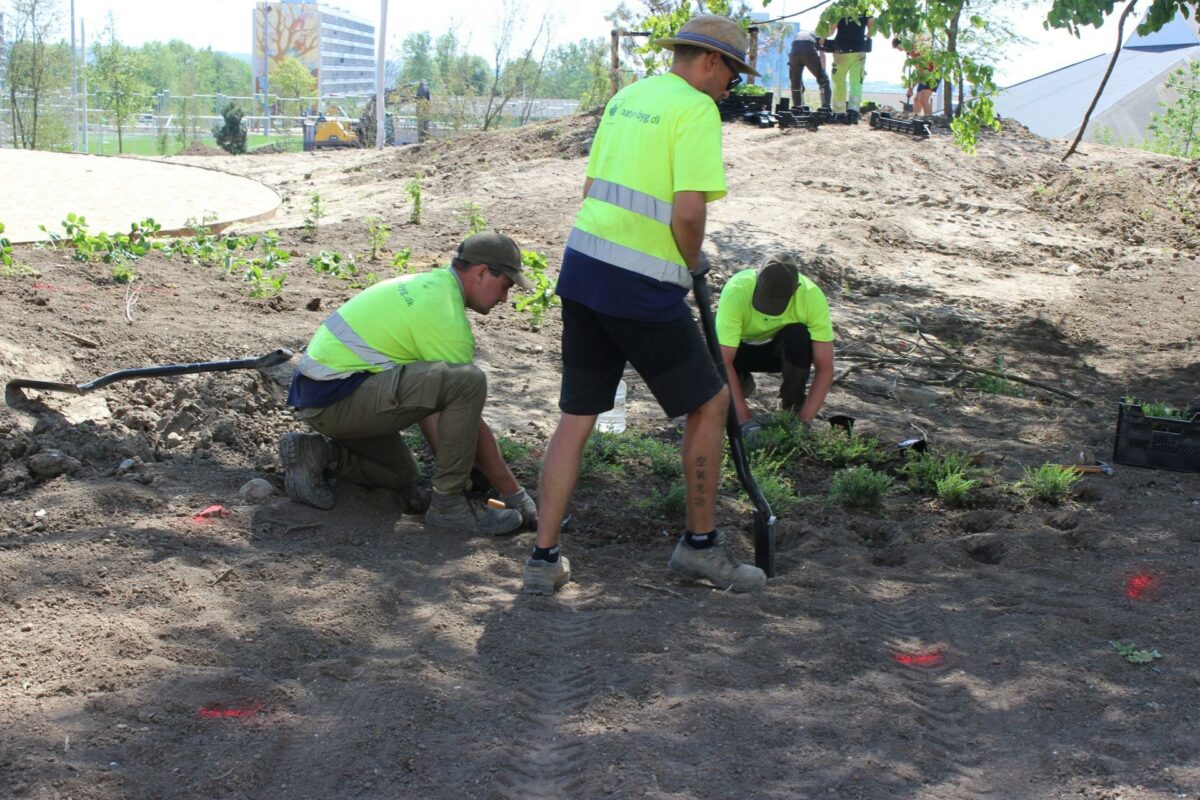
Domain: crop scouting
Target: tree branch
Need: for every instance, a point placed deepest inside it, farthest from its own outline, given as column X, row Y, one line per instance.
column 1120, row 41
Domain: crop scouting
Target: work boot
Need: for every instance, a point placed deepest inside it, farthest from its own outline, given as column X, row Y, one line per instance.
column 545, row 577
column 414, row 499
column 521, row 501
column 305, row 457
column 717, row 565
column 456, row 512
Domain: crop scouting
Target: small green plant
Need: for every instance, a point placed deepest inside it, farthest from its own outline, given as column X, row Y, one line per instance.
column 378, row 233
column 370, row 279
column 6, row 259
column 604, row 454
column 1146, row 215
column 750, row 90
column 954, row 490
column 767, row 467
column 121, row 271
column 400, row 260
column 1133, row 654
column 542, row 298
column 671, row 503
column 511, row 450
column 860, row 487
column 836, row 448
column 103, row 246
column 924, row 470
column 1040, row 189
column 333, row 263
column 1049, row 483
column 472, row 217
column 263, row 282
column 413, row 187
column 992, row 384
column 313, row 216
column 1156, row 409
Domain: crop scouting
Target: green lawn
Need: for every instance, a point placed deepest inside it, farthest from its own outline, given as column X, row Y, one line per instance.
column 147, row 144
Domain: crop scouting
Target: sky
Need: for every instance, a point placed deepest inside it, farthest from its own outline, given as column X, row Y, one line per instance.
column 225, row 25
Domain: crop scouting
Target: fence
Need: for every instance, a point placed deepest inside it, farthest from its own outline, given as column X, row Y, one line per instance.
column 171, row 123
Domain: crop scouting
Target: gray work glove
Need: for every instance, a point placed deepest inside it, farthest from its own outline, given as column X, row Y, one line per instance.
column 751, row 428
column 522, row 502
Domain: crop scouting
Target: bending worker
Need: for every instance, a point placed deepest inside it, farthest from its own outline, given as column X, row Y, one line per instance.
column 654, row 165
column 776, row 320
column 850, row 44
column 920, row 72
column 805, row 55
column 400, row 353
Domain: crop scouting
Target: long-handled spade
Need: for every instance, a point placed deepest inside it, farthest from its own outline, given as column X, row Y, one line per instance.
column 764, row 520
column 11, row 389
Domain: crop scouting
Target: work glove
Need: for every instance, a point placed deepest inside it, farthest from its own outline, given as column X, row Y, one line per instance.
column 751, row 430
column 521, row 501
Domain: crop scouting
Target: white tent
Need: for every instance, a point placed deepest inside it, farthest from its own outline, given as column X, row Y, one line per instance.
column 1053, row 104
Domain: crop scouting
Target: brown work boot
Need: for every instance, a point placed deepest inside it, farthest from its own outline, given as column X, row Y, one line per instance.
column 414, row 499
column 717, row 565
column 457, row 512
column 305, row 456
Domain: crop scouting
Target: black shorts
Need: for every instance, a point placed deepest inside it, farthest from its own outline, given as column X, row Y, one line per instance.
column 670, row 356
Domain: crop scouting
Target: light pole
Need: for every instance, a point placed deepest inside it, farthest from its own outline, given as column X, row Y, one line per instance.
column 380, row 89
column 74, row 85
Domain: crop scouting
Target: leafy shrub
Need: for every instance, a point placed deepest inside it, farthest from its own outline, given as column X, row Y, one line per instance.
column 378, row 232
column 313, row 216
column 954, row 490
column 413, row 188
column 400, row 260
column 860, row 487
column 924, row 470
column 542, row 298
column 335, row 264
column 511, row 450
column 472, row 216
column 992, row 384
column 1049, row 483
column 837, row 448
column 231, row 133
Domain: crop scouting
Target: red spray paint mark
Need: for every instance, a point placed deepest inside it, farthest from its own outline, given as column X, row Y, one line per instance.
column 1138, row 586
column 212, row 512
column 920, row 660
column 226, row 712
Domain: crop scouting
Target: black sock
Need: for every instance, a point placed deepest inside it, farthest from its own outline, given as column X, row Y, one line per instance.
column 700, row 541
column 546, row 554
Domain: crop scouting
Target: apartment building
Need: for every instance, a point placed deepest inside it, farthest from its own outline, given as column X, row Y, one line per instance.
column 336, row 46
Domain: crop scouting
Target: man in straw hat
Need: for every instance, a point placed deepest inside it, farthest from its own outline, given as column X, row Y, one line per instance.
column 776, row 320
column 655, row 162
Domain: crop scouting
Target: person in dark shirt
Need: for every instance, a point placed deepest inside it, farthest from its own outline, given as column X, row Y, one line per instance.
column 850, row 40
column 805, row 55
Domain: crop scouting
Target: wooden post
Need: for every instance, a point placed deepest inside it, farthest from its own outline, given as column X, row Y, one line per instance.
column 753, row 52
column 615, row 72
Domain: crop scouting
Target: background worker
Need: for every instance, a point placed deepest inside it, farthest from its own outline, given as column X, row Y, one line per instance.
column 655, row 162
column 805, row 55
column 776, row 320
column 399, row 353
column 850, row 42
column 920, row 74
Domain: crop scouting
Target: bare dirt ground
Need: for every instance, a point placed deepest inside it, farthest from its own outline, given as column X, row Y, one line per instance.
column 919, row 652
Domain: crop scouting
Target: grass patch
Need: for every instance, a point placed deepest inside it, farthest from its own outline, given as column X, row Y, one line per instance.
column 671, row 503
column 1049, row 483
column 836, row 448
column 511, row 450
column 861, row 487
column 613, row 453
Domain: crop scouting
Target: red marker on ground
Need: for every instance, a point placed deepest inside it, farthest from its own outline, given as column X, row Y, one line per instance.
column 1138, row 586
column 223, row 712
column 920, row 660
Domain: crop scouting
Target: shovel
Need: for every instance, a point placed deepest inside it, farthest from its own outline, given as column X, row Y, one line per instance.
column 271, row 359
column 764, row 520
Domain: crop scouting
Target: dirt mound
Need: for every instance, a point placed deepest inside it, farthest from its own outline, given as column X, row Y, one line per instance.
column 201, row 149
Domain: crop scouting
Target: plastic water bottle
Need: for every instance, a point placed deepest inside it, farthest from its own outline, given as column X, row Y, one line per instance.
column 614, row 421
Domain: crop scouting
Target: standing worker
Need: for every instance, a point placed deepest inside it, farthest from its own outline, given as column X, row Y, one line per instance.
column 400, row 353
column 655, row 162
column 850, row 44
column 805, row 55
column 920, row 73
column 776, row 320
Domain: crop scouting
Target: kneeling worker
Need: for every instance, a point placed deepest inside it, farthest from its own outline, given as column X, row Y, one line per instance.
column 400, row 353
column 776, row 320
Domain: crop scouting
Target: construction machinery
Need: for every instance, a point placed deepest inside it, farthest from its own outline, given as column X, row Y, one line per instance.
column 337, row 130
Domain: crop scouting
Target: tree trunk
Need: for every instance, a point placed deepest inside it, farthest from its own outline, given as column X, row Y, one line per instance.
column 1120, row 41
column 952, row 49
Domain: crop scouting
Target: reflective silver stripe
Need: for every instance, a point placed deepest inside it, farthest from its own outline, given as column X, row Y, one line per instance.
column 628, row 258
column 631, row 200
column 311, row 368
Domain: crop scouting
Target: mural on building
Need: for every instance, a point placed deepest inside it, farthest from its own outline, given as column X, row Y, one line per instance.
column 294, row 30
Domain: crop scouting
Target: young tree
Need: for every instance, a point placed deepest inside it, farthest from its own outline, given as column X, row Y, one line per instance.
column 290, row 78
column 116, row 73
column 1176, row 131
column 231, row 136
column 511, row 23
column 35, row 66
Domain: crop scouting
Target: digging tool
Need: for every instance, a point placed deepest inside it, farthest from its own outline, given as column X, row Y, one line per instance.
column 764, row 520
column 271, row 359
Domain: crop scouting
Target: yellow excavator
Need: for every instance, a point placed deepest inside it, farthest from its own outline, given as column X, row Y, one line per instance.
column 337, row 130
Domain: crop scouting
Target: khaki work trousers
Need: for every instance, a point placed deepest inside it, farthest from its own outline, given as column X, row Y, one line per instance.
column 364, row 428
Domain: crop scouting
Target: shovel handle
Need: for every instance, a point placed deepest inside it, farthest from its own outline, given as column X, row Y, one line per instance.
column 271, row 359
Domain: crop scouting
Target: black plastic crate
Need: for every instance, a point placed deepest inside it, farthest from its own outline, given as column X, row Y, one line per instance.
column 1156, row 442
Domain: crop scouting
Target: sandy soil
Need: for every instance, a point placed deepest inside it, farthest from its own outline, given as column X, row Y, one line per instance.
column 919, row 652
